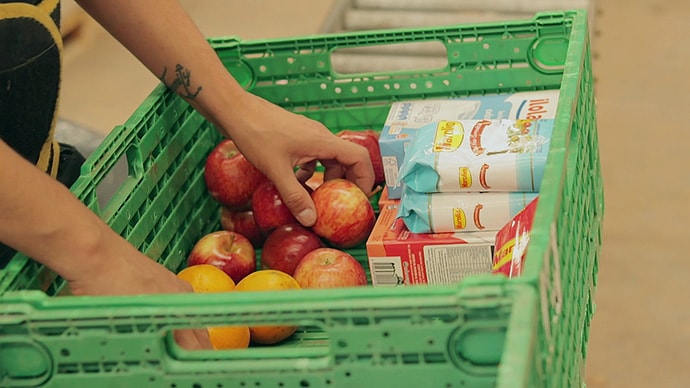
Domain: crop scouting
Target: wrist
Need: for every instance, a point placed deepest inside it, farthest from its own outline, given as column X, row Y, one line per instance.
column 228, row 106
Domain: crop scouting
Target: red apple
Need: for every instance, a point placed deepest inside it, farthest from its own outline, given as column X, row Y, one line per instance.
column 369, row 139
column 344, row 215
column 229, row 251
column 269, row 209
column 286, row 246
column 329, row 268
column 242, row 222
column 230, row 177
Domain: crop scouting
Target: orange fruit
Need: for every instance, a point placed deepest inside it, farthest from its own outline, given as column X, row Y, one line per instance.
column 269, row 280
column 229, row 337
column 207, row 278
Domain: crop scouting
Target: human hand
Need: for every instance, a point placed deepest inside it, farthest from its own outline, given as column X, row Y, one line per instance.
column 139, row 275
column 84, row 250
column 277, row 141
column 273, row 139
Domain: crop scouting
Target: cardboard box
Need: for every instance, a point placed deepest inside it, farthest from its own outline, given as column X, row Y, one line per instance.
column 385, row 199
column 398, row 257
column 406, row 117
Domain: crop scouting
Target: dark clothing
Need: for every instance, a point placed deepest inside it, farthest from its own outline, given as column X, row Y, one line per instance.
column 30, row 64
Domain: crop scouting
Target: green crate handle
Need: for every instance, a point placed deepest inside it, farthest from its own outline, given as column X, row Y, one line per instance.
column 136, row 327
column 266, row 66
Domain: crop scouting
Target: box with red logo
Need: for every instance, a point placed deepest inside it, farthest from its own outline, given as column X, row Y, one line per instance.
column 398, row 257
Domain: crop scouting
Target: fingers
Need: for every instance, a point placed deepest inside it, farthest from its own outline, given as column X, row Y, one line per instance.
column 350, row 161
column 333, row 171
column 305, row 171
column 359, row 175
column 353, row 163
column 203, row 338
column 296, row 197
column 193, row 339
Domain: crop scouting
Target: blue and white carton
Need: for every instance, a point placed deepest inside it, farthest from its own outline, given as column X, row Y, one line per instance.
column 405, row 118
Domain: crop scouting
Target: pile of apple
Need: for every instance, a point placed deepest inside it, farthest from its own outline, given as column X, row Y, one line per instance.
column 253, row 217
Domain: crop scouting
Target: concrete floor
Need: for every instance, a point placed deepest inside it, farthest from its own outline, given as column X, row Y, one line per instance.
column 641, row 332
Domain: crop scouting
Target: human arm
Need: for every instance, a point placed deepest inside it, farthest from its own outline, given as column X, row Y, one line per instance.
column 41, row 218
column 163, row 37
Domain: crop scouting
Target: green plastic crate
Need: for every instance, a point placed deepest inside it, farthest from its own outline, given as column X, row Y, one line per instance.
column 487, row 331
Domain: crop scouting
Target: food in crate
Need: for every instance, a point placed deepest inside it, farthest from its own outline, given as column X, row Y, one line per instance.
column 477, row 155
column 400, row 257
column 457, row 212
column 269, row 209
column 206, row 278
column 405, row 118
column 268, row 280
column 329, row 268
column 230, row 177
column 345, row 219
column 230, row 251
column 243, row 222
column 287, row 245
column 512, row 242
column 368, row 139
column 292, row 256
column 344, row 214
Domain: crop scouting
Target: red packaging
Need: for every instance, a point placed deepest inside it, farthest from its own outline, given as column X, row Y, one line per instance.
column 385, row 200
column 512, row 242
column 398, row 257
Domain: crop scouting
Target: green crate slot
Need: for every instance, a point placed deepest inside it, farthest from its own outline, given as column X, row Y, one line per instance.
column 484, row 332
column 405, row 332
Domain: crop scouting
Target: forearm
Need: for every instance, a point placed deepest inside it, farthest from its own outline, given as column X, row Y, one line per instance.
column 164, row 38
column 41, row 218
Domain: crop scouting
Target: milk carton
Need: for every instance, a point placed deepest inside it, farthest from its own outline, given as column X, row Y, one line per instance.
column 477, row 156
column 459, row 212
column 406, row 117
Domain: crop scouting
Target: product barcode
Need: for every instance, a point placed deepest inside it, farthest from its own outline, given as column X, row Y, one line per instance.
column 385, row 274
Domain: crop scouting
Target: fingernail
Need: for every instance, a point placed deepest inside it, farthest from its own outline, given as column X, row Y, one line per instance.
column 307, row 217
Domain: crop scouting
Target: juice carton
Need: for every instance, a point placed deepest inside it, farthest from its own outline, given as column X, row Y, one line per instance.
column 398, row 257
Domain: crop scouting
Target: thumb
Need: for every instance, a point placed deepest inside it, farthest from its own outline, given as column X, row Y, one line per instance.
column 296, row 198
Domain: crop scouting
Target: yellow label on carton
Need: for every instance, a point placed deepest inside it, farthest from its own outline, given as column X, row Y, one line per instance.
column 459, row 219
column 449, row 136
column 504, row 254
column 464, row 177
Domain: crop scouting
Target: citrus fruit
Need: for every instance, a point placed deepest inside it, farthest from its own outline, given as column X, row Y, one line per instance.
column 268, row 280
column 229, row 337
column 207, row 278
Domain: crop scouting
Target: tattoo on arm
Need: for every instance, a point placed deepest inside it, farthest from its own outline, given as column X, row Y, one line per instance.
column 181, row 80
